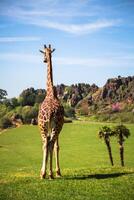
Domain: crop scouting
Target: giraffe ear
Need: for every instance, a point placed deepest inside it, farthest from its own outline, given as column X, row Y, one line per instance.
column 42, row 51
column 53, row 50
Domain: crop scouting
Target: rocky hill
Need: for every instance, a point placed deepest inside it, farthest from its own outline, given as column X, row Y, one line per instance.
column 118, row 89
column 115, row 95
column 73, row 94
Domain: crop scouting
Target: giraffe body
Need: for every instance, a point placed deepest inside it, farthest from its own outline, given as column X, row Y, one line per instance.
column 50, row 117
column 50, row 120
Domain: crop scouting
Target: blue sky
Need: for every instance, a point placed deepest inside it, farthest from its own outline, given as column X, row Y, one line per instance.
column 94, row 41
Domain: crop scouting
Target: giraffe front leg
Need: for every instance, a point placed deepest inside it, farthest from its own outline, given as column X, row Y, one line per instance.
column 45, row 159
column 56, row 149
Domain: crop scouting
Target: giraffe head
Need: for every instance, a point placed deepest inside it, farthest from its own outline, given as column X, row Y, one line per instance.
column 47, row 53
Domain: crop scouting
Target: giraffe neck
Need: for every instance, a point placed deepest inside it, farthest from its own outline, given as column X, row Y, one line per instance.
column 50, row 92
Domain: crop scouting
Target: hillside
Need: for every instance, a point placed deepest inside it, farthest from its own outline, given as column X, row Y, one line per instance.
column 118, row 89
column 113, row 102
column 115, row 90
column 116, row 96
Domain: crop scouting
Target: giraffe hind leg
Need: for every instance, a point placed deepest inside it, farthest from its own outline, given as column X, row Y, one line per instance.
column 51, row 146
column 54, row 145
column 45, row 159
column 52, row 138
column 44, row 133
column 56, row 149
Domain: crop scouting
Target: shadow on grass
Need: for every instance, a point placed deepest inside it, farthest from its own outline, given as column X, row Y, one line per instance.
column 98, row 176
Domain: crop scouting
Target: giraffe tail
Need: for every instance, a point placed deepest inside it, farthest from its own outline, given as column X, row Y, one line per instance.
column 51, row 133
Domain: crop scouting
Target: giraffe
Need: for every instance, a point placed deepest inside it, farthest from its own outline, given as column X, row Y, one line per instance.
column 50, row 120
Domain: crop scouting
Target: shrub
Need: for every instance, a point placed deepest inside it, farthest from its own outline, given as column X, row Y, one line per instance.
column 5, row 123
column 28, row 113
column 69, row 112
column 3, row 110
column 116, row 107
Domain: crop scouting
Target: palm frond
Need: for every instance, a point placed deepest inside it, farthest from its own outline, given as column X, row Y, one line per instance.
column 121, row 131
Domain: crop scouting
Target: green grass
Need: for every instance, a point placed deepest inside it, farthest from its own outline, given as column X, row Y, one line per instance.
column 85, row 166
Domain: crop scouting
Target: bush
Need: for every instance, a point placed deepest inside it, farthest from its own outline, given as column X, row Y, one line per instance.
column 3, row 110
column 69, row 112
column 28, row 113
column 5, row 123
column 124, row 117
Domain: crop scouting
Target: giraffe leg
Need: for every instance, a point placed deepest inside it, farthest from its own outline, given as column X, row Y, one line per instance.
column 56, row 149
column 51, row 147
column 45, row 159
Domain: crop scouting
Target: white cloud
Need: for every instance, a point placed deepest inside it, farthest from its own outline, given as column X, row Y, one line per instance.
column 19, row 39
column 74, row 19
column 77, row 29
column 20, row 13
column 20, row 9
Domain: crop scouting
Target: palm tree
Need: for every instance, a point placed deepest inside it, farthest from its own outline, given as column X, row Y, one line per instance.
column 121, row 132
column 105, row 133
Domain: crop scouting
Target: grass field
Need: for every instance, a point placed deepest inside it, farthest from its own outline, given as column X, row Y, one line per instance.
column 85, row 166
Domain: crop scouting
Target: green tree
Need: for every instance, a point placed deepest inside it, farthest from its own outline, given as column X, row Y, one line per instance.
column 3, row 94
column 121, row 132
column 39, row 98
column 14, row 102
column 30, row 96
column 105, row 133
column 7, row 103
column 27, row 97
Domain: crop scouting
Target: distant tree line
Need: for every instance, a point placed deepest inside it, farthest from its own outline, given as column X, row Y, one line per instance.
column 25, row 107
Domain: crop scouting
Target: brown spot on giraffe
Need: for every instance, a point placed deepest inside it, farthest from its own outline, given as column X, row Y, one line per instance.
column 50, row 119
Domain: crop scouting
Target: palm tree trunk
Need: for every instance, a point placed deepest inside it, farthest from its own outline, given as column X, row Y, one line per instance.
column 110, row 152
column 121, row 153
